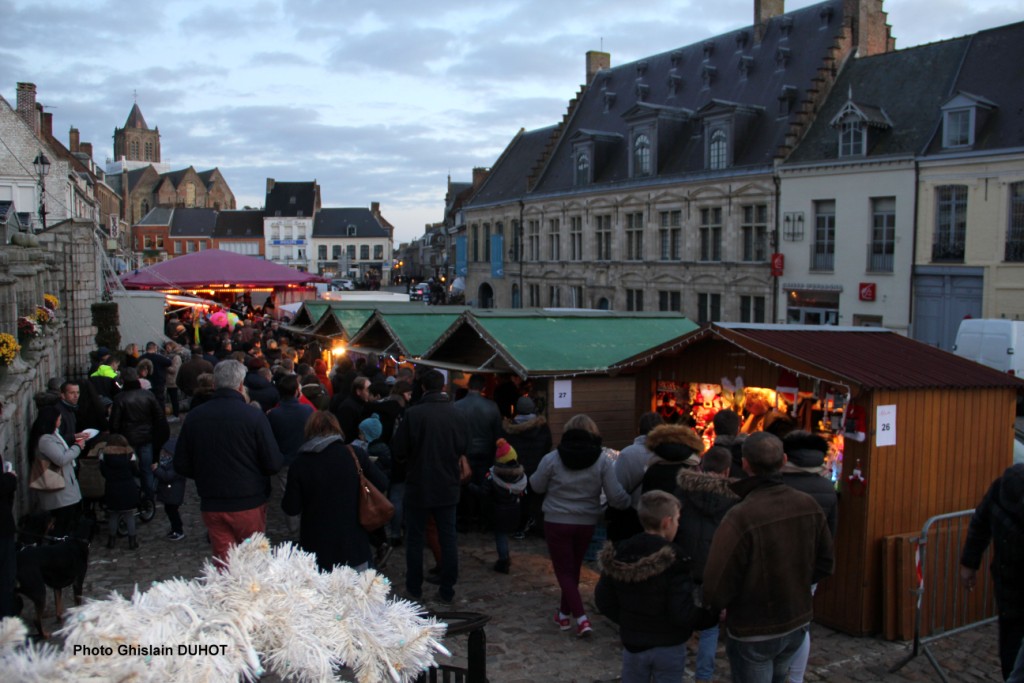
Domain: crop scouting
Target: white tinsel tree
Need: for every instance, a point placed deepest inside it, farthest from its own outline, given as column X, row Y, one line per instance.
column 270, row 607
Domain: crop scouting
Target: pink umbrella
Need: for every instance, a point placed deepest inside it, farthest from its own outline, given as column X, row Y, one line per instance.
column 220, row 319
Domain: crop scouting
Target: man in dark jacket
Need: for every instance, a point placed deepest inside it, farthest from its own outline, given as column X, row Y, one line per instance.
column 483, row 426
column 352, row 409
column 999, row 519
column 645, row 587
column 768, row 551
column 227, row 446
column 138, row 416
column 191, row 369
column 160, row 365
column 429, row 441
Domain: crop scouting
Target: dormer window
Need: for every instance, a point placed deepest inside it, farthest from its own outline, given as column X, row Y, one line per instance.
column 782, row 57
column 350, row 231
column 641, row 91
column 718, row 149
column 746, row 65
column 641, row 156
column 851, row 139
column 707, row 76
column 709, row 49
column 957, row 130
column 742, row 38
column 291, row 200
column 609, row 101
column 582, row 176
column 675, row 83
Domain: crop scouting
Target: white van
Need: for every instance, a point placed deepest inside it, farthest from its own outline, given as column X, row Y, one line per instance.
column 994, row 342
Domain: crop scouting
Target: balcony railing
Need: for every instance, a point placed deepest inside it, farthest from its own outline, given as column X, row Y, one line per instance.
column 879, row 263
column 948, row 250
column 822, row 262
column 1015, row 250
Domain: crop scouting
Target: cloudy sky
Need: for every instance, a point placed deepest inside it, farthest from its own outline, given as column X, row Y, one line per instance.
column 377, row 103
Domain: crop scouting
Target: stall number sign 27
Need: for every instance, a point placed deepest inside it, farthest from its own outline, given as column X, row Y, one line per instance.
column 885, row 429
column 563, row 393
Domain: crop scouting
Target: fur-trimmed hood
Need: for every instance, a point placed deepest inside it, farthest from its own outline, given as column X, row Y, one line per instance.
column 637, row 559
column 514, row 427
column 579, row 449
column 676, row 444
column 509, row 476
column 708, row 494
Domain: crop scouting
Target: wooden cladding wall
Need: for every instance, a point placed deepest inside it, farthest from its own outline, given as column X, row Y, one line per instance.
column 609, row 401
column 950, row 446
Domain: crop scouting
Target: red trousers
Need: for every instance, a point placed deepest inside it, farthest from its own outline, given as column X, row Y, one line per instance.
column 231, row 528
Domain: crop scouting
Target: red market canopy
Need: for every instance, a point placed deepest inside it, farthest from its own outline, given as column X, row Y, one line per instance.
column 213, row 268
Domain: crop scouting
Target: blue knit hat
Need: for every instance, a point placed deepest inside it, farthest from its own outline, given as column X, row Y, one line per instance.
column 371, row 428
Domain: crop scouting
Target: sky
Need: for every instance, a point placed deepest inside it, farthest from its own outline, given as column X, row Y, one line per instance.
column 375, row 101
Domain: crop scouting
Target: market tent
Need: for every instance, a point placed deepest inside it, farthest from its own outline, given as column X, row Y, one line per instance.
column 212, row 268
column 406, row 334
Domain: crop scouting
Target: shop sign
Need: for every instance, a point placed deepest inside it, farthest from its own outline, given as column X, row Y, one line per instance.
column 812, row 286
column 778, row 264
column 285, row 243
column 885, row 426
column 867, row 291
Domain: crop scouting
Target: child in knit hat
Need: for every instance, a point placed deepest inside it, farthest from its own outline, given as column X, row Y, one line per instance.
column 505, row 485
column 370, row 431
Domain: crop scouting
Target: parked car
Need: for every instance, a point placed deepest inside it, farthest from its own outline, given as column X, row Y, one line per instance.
column 419, row 292
column 343, row 284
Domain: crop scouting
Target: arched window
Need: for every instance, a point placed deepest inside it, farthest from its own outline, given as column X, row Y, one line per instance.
column 851, row 139
column 133, row 150
column 641, row 156
column 718, row 150
column 582, row 169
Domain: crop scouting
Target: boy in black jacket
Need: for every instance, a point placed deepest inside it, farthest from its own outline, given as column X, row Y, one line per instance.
column 645, row 587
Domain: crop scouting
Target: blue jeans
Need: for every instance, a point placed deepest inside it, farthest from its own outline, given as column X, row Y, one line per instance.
column 396, row 494
column 415, row 533
column 656, row 665
column 763, row 661
column 145, row 455
column 706, row 648
column 501, row 544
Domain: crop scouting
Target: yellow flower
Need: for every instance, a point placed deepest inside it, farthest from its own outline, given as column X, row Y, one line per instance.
column 9, row 348
column 42, row 315
column 51, row 301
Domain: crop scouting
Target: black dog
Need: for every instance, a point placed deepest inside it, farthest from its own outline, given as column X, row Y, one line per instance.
column 56, row 564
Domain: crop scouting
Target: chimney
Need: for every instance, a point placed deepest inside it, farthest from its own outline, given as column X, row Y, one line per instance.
column 479, row 176
column 375, row 209
column 86, row 149
column 73, row 137
column 27, row 105
column 270, row 185
column 47, row 124
column 764, row 10
column 599, row 60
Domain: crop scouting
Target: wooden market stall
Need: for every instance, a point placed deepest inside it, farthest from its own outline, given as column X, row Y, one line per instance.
column 937, row 430
column 565, row 355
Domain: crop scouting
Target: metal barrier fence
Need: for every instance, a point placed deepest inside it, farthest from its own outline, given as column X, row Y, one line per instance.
column 460, row 623
column 943, row 607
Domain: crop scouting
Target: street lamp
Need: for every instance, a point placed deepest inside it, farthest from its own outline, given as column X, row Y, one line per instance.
column 42, row 165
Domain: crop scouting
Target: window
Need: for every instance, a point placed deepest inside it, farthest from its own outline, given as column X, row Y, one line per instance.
column 350, row 251
column 709, row 307
column 159, row 241
column 378, row 252
column 883, row 235
column 718, row 150
column 533, row 295
column 711, row 234
column 321, row 252
column 950, row 223
column 670, row 301
column 671, row 235
column 133, row 149
column 635, row 237
column 823, row 250
column 190, row 246
column 517, row 244
column 752, row 309
column 634, row 299
column 755, row 232
column 641, row 156
column 957, row 129
column 577, row 296
column 554, row 244
column 851, row 139
column 554, row 296
column 576, row 238
column 149, row 151
column 190, row 194
column 603, row 230
column 475, row 231
column 582, row 169
column 202, row 245
column 1015, row 226
column 364, row 252
column 487, row 241
column 533, row 241
column 177, row 247
column 336, row 251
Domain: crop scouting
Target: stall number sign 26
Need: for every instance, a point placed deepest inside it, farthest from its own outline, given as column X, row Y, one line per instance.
column 885, row 430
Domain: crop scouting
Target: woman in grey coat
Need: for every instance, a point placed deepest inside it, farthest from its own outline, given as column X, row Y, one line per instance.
column 64, row 505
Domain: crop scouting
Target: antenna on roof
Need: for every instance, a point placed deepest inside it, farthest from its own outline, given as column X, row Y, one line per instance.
column 135, row 96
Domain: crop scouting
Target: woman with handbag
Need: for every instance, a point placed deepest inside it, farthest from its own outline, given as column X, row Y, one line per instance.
column 54, row 460
column 324, row 488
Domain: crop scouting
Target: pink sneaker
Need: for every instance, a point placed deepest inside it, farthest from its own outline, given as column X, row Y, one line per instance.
column 583, row 629
column 563, row 622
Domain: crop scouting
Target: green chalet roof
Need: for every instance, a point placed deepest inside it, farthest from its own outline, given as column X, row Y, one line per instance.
column 535, row 342
column 406, row 334
column 309, row 314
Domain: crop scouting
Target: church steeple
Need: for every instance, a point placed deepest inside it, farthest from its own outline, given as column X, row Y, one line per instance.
column 136, row 141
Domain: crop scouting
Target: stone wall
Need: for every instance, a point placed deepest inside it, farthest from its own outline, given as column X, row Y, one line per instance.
column 66, row 263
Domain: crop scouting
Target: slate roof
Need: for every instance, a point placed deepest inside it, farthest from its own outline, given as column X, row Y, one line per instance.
column 135, row 118
column 335, row 223
column 157, row 216
column 279, row 199
column 507, row 179
column 239, row 224
column 644, row 87
column 893, row 82
column 193, row 222
column 994, row 70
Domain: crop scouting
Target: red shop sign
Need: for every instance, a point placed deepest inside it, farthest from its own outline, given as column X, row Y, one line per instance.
column 867, row 291
column 778, row 264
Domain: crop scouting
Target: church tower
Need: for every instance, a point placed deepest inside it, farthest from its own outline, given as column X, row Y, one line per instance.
column 136, row 142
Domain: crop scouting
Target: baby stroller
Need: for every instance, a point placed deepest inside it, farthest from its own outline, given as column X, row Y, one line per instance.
column 91, row 482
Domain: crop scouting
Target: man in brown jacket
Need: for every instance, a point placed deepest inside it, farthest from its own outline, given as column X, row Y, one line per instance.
column 768, row 551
